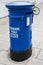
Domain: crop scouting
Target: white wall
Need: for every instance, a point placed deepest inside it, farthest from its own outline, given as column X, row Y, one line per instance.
column 3, row 9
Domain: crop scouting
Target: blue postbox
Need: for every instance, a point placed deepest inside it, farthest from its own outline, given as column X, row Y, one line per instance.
column 20, row 22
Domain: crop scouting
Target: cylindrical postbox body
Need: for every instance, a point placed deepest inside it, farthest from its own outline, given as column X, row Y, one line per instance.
column 20, row 21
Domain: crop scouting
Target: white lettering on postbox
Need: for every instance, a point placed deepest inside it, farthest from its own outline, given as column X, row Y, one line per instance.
column 14, row 32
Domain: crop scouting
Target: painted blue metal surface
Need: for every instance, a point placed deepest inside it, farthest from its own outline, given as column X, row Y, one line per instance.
column 20, row 31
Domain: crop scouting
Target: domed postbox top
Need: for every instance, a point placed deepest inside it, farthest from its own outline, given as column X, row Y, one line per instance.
column 20, row 4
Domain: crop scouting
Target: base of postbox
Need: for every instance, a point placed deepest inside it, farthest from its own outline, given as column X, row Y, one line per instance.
column 21, row 56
